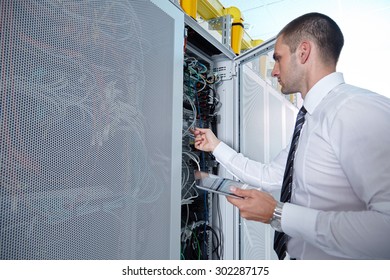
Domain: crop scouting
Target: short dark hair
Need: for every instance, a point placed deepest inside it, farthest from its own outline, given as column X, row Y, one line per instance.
column 319, row 28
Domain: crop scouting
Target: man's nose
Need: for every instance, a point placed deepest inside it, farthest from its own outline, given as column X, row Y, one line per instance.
column 275, row 71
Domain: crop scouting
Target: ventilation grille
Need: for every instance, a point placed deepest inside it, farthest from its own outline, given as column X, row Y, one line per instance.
column 83, row 174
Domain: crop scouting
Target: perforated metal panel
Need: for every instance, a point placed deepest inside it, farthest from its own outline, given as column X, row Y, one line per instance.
column 267, row 120
column 261, row 135
column 254, row 144
column 86, row 130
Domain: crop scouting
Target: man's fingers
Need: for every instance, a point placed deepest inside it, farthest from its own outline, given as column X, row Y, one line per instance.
column 240, row 192
column 201, row 130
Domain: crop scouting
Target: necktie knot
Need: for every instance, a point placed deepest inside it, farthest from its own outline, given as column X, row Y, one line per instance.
column 302, row 112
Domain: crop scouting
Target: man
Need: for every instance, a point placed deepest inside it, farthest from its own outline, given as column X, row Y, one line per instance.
column 339, row 204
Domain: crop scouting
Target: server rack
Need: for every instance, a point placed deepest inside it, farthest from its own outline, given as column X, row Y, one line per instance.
column 254, row 118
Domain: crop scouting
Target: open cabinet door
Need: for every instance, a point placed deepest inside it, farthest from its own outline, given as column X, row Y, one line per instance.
column 266, row 121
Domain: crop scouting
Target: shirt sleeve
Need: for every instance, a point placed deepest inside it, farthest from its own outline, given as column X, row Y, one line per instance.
column 267, row 177
column 360, row 137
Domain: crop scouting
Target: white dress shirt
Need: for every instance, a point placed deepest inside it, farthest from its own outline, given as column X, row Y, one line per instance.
column 340, row 204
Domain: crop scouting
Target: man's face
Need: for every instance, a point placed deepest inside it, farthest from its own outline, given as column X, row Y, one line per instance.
column 286, row 68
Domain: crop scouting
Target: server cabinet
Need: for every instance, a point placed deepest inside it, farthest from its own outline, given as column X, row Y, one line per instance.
column 90, row 125
column 255, row 119
column 207, row 63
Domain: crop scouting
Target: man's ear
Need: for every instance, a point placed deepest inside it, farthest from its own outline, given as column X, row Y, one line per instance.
column 304, row 51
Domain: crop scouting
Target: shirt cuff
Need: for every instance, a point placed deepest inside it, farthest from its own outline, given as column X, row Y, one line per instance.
column 299, row 221
column 223, row 153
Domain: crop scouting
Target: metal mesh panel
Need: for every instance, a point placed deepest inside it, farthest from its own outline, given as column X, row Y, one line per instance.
column 85, row 113
column 253, row 141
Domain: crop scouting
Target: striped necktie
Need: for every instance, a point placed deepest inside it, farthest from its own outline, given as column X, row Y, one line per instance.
column 280, row 239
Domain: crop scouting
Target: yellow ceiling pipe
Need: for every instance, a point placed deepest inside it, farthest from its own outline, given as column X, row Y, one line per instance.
column 210, row 9
column 190, row 7
column 237, row 28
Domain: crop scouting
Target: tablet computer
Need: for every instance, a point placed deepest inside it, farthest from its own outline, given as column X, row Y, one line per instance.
column 213, row 183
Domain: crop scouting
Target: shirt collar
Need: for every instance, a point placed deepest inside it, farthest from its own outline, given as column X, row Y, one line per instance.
column 321, row 89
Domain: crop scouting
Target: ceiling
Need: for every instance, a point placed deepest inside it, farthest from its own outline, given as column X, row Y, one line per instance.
column 365, row 58
column 264, row 18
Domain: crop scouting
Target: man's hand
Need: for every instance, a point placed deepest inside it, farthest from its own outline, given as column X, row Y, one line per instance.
column 205, row 139
column 256, row 205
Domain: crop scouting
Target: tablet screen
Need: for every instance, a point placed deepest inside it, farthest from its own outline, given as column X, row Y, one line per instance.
column 216, row 184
